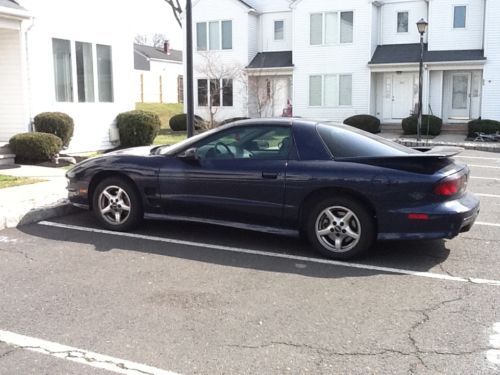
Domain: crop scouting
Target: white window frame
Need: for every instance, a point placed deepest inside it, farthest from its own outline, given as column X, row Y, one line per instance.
column 207, row 25
column 397, row 22
column 274, row 30
column 209, row 93
column 339, row 27
column 337, row 78
column 454, row 6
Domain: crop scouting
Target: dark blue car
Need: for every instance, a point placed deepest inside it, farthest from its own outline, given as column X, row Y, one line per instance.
column 340, row 187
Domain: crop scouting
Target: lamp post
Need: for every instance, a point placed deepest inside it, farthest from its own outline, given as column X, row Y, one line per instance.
column 422, row 28
column 189, row 69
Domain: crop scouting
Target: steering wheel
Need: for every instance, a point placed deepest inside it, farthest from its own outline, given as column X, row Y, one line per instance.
column 229, row 152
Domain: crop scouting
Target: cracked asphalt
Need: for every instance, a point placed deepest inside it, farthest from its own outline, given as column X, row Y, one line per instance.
column 197, row 310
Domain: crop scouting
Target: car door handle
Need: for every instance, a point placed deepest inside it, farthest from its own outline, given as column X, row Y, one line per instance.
column 270, row 175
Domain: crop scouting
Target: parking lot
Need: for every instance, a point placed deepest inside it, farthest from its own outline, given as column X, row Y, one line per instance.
column 193, row 298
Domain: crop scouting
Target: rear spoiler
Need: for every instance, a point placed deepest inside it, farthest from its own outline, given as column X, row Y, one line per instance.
column 440, row 151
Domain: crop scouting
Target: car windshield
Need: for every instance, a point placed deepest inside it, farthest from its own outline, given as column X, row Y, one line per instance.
column 348, row 142
column 172, row 150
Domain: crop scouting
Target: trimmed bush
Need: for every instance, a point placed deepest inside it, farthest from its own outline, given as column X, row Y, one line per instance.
column 230, row 120
column 35, row 147
column 138, row 128
column 483, row 126
column 57, row 123
column 179, row 122
column 364, row 122
column 430, row 125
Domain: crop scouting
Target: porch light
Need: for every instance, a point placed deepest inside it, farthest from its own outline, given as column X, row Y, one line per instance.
column 422, row 26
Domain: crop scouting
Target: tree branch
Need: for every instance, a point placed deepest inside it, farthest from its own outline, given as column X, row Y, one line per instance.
column 176, row 10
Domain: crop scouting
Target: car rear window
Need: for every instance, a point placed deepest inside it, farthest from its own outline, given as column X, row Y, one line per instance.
column 348, row 142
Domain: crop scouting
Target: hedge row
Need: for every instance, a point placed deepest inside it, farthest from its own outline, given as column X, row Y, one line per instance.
column 483, row 126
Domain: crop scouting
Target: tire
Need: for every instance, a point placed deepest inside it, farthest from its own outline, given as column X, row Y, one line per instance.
column 335, row 238
column 115, row 196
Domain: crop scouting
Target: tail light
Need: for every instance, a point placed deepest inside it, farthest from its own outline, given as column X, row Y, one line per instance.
column 451, row 186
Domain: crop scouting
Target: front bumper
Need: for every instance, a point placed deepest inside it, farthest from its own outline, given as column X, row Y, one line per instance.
column 78, row 194
column 445, row 220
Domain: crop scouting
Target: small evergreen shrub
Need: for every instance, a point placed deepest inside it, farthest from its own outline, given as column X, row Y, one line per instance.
column 57, row 123
column 230, row 120
column 430, row 125
column 138, row 128
column 364, row 122
column 483, row 126
column 35, row 147
column 179, row 122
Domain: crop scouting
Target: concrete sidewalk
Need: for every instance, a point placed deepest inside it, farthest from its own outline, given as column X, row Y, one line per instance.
column 30, row 203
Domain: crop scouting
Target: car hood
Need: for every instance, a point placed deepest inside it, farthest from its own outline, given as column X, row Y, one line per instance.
column 136, row 151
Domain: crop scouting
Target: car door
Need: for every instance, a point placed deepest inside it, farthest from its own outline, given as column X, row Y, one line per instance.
column 235, row 175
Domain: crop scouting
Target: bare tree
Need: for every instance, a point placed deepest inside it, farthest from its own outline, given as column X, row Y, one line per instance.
column 220, row 78
column 157, row 40
column 176, row 10
column 141, row 39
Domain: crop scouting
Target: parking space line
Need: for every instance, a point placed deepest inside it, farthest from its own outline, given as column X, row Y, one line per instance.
column 277, row 255
column 485, row 178
column 487, row 224
column 487, row 195
column 483, row 166
column 475, row 157
column 81, row 356
column 493, row 354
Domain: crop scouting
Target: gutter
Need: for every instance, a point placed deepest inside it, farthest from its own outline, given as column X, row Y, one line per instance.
column 18, row 14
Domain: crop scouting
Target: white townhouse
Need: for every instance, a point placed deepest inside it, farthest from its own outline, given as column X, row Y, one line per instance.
column 70, row 56
column 335, row 58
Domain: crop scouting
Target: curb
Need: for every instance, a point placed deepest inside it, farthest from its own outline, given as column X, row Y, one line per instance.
column 60, row 208
column 489, row 147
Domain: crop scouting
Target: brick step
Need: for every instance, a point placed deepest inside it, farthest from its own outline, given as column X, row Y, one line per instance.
column 7, row 159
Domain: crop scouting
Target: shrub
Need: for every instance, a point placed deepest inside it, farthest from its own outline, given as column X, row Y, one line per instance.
column 57, row 123
column 35, row 147
column 138, row 128
column 364, row 122
column 430, row 125
column 483, row 126
column 179, row 122
column 230, row 120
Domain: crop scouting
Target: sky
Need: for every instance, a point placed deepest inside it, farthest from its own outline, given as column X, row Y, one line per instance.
column 155, row 16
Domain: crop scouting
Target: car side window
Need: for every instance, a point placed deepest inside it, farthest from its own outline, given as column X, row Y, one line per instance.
column 250, row 142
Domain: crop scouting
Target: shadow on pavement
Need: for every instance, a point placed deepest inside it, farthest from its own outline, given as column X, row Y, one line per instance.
column 415, row 256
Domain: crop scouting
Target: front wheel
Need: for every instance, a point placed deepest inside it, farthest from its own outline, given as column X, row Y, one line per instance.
column 340, row 228
column 116, row 204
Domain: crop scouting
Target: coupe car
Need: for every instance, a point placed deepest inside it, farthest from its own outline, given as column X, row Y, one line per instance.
column 339, row 187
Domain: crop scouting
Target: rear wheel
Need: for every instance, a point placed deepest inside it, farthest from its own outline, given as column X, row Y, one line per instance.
column 116, row 204
column 340, row 228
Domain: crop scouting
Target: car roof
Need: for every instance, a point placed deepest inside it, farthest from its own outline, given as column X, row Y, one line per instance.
column 280, row 121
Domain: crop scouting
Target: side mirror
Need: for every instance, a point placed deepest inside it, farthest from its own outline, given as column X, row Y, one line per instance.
column 191, row 154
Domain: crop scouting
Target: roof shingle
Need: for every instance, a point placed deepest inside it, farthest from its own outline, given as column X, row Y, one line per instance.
column 269, row 60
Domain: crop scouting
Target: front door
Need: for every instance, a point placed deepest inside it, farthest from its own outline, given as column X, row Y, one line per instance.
column 239, row 176
column 402, row 95
column 460, row 96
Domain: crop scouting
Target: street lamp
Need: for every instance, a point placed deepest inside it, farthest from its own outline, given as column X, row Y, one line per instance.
column 422, row 28
column 189, row 69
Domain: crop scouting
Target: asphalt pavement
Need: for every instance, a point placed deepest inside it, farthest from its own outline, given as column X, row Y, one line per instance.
column 200, row 299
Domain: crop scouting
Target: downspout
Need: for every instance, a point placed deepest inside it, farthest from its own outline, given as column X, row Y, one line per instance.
column 28, row 75
column 484, row 23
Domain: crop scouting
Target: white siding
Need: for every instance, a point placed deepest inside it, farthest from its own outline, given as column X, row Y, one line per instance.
column 491, row 89
column 442, row 35
column 159, row 84
column 254, row 33
column 12, row 97
column 267, row 26
column 336, row 59
column 71, row 22
column 389, row 21
column 436, row 92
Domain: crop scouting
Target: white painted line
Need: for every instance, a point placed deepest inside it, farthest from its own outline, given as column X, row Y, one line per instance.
column 487, row 224
column 485, row 178
column 276, row 255
column 84, row 357
column 487, row 195
column 493, row 355
column 475, row 157
column 482, row 166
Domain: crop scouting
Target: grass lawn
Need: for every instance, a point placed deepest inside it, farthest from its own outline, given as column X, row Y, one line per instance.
column 165, row 111
column 10, row 181
column 169, row 137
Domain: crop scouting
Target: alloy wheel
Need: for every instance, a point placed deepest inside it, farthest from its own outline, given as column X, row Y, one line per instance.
column 338, row 229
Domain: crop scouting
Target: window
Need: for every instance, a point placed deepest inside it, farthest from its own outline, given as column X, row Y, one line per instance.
column 63, row 77
column 86, row 76
column 253, row 142
column 331, row 28
column 402, row 22
column 105, row 73
column 330, row 90
column 279, row 30
column 460, row 16
column 219, row 91
column 84, row 72
column 215, row 35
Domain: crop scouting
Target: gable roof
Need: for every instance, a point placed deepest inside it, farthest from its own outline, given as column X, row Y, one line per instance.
column 12, row 9
column 11, row 4
column 410, row 53
column 270, row 60
column 158, row 53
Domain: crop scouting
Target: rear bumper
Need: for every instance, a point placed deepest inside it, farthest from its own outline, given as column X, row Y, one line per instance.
column 445, row 220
